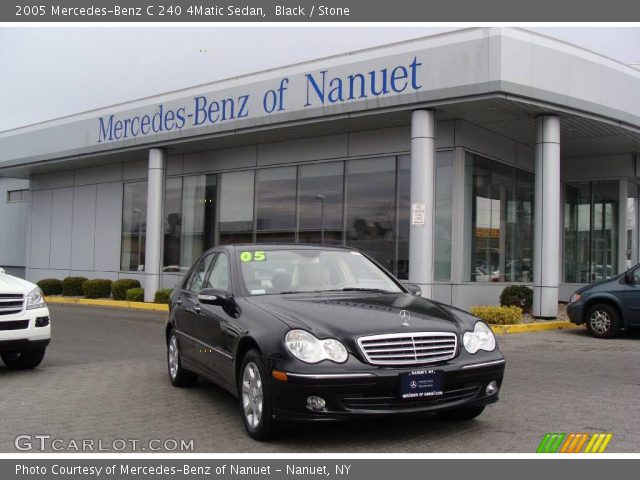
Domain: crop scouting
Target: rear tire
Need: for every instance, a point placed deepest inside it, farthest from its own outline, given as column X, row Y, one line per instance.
column 254, row 395
column 179, row 376
column 603, row 321
column 461, row 414
column 26, row 360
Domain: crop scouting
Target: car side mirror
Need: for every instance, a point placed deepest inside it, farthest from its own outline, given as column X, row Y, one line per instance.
column 213, row 296
column 628, row 278
column 413, row 289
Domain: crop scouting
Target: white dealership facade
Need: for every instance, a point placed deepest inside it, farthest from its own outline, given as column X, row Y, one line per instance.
column 463, row 162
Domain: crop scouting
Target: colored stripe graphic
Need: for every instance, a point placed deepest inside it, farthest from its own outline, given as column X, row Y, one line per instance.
column 550, row 443
column 556, row 442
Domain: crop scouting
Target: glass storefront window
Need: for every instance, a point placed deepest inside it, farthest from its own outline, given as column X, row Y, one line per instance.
column 591, row 231
column 320, row 199
column 199, row 201
column 633, row 192
column 443, row 216
column 236, row 207
column 172, row 225
column 404, row 211
column 276, row 204
column 371, row 208
column 134, row 225
column 499, row 219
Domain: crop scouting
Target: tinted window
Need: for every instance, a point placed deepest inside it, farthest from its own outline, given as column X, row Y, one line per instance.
column 219, row 278
column 198, row 279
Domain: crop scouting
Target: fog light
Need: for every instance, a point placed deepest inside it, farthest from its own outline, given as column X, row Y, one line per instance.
column 42, row 321
column 491, row 388
column 316, row 403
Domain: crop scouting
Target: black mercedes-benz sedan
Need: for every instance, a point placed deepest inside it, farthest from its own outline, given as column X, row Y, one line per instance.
column 303, row 332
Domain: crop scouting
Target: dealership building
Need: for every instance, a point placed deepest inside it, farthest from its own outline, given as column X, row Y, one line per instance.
column 462, row 162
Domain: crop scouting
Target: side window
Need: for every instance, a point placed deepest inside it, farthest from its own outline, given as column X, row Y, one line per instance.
column 219, row 278
column 636, row 276
column 197, row 280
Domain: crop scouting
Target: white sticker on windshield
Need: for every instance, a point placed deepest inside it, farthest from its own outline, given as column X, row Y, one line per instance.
column 356, row 253
column 260, row 291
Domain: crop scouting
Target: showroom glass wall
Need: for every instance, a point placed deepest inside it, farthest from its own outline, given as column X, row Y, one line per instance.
column 591, row 230
column 632, row 219
column 364, row 203
column 499, row 201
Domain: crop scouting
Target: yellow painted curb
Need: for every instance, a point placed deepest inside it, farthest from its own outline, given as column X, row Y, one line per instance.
column 498, row 329
column 159, row 307
column 532, row 327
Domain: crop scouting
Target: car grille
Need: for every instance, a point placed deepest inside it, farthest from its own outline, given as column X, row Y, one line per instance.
column 409, row 348
column 11, row 303
column 392, row 402
column 17, row 325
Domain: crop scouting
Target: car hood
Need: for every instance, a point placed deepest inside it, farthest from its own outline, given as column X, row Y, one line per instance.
column 353, row 315
column 10, row 284
column 601, row 285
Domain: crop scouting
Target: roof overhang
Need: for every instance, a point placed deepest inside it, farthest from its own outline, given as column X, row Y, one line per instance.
column 499, row 78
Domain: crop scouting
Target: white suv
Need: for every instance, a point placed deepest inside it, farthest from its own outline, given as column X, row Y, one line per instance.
column 25, row 326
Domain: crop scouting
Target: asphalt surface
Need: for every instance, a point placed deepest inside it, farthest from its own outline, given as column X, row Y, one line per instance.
column 104, row 378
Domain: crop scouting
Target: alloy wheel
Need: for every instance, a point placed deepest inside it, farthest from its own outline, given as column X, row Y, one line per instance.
column 252, row 395
column 174, row 356
column 600, row 321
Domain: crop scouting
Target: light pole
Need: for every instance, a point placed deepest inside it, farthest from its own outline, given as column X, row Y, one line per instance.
column 321, row 198
column 138, row 212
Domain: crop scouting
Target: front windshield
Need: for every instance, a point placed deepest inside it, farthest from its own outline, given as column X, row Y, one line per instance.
column 268, row 272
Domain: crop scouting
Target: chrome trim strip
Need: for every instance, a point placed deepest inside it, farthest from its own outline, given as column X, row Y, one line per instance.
column 484, row 364
column 330, row 375
column 206, row 345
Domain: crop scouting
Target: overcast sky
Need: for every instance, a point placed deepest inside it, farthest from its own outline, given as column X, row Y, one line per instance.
column 47, row 73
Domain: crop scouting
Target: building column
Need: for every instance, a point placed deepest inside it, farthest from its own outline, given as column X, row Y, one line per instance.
column 155, row 222
column 546, row 251
column 423, row 164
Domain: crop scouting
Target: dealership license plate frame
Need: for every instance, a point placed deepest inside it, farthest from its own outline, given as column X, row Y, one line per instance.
column 421, row 384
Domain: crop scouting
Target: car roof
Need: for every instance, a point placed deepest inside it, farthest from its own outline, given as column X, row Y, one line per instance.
column 285, row 246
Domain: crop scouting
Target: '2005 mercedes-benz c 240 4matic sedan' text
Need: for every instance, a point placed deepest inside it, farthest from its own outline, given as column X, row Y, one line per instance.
column 324, row 333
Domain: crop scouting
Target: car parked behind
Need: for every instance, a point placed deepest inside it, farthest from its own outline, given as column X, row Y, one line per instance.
column 25, row 329
column 608, row 306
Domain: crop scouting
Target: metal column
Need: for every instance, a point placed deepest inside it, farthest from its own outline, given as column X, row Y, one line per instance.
column 547, row 217
column 423, row 163
column 155, row 223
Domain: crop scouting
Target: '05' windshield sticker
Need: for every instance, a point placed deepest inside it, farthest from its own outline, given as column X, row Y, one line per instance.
column 257, row 256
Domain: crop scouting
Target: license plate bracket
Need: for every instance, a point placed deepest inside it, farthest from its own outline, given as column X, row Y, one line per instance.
column 420, row 384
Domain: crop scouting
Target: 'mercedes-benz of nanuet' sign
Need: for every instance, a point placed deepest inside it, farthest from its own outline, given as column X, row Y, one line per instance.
column 330, row 87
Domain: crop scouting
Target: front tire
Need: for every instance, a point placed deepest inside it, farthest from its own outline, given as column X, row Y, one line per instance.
column 26, row 360
column 461, row 414
column 254, row 394
column 603, row 321
column 179, row 376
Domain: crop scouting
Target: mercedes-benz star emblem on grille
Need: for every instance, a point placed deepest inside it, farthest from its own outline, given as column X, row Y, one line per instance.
column 405, row 316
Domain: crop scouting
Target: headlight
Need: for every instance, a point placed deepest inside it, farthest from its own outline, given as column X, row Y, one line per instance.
column 35, row 299
column 310, row 349
column 575, row 297
column 481, row 338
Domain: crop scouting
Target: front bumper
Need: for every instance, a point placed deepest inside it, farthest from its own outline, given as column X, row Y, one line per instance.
column 15, row 337
column 376, row 392
column 575, row 312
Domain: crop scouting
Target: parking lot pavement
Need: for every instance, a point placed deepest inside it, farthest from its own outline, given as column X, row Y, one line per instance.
column 104, row 378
